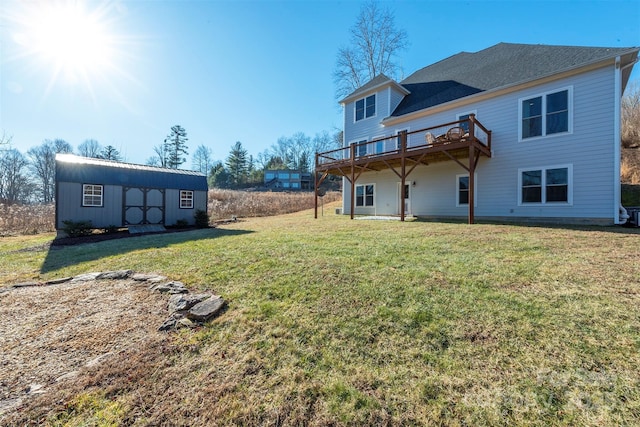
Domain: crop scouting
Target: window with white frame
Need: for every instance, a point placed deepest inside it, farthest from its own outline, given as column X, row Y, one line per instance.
column 462, row 190
column 364, row 195
column 465, row 116
column 365, row 107
column 546, row 114
column 92, row 195
column 186, row 199
column 546, row 185
column 360, row 148
column 398, row 140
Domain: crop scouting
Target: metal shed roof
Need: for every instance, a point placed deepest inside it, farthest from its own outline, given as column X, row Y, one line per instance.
column 71, row 168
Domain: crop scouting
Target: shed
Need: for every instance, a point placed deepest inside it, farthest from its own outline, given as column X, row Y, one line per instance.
column 110, row 193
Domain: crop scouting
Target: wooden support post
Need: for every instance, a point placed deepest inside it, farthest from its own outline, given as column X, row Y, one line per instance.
column 403, row 173
column 353, row 178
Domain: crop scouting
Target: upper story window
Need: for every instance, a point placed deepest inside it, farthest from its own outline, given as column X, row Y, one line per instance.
column 366, row 107
column 92, row 195
column 546, row 114
column 186, row 199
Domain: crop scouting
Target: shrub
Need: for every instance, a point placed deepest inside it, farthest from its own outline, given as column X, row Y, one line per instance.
column 202, row 218
column 182, row 223
column 77, row 228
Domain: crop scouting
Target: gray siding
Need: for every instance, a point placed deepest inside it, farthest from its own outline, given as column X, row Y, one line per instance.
column 69, row 206
column 173, row 213
column 589, row 149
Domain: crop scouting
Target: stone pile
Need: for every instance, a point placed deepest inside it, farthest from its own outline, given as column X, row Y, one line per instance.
column 185, row 310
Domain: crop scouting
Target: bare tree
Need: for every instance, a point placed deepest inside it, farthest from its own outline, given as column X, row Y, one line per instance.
column 89, row 148
column 43, row 164
column 201, row 160
column 373, row 45
column 5, row 141
column 15, row 183
column 631, row 116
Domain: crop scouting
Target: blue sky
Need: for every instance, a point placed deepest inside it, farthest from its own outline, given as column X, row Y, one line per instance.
column 248, row 71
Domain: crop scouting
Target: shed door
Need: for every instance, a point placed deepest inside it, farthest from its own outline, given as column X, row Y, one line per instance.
column 143, row 206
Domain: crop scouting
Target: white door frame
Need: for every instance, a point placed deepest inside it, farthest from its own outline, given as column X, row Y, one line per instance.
column 407, row 200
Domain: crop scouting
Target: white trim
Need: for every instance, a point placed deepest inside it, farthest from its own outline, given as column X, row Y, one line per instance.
column 359, row 141
column 617, row 196
column 364, row 196
column 186, row 196
column 543, row 96
column 543, row 169
column 375, row 112
column 475, row 195
column 408, row 184
column 92, row 195
column 383, row 142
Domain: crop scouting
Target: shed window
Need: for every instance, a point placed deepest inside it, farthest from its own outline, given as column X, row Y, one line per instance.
column 92, row 195
column 186, row 199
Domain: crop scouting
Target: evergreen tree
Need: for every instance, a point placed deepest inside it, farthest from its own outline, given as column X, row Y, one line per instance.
column 175, row 145
column 110, row 153
column 237, row 164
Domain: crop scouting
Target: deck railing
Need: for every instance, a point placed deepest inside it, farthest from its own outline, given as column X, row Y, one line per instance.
column 468, row 130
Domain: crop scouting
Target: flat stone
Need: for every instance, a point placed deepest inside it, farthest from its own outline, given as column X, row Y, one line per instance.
column 207, row 309
column 58, row 281
column 168, row 324
column 140, row 277
column 180, row 302
column 25, row 284
column 115, row 275
column 184, row 323
column 98, row 360
column 67, row 376
column 85, row 277
column 173, row 287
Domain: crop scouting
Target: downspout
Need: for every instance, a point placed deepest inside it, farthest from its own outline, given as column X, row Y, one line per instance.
column 620, row 213
column 617, row 89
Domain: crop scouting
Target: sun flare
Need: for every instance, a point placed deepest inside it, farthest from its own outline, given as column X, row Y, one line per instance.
column 67, row 40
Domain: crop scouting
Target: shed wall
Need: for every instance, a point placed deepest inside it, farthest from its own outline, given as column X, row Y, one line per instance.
column 69, row 206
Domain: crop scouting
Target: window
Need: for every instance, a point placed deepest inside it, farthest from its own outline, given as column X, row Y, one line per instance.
column 186, row 199
column 398, row 140
column 366, row 107
column 465, row 116
column 546, row 185
column 546, row 114
column 462, row 190
column 364, row 195
column 360, row 147
column 92, row 195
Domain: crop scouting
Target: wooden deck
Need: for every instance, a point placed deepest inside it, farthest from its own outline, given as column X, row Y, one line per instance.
column 462, row 141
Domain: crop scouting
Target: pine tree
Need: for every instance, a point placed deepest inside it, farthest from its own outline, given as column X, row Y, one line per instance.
column 175, row 145
column 237, row 164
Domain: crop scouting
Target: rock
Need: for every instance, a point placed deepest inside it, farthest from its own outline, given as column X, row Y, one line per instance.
column 85, row 277
column 36, row 389
column 58, row 281
column 168, row 324
column 184, row 323
column 173, row 287
column 181, row 302
column 25, row 284
column 153, row 278
column 207, row 309
column 67, row 376
column 115, row 275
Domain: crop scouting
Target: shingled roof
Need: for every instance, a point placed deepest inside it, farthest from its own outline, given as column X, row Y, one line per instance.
column 502, row 65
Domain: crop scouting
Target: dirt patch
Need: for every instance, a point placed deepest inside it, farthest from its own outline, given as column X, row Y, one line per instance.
column 51, row 334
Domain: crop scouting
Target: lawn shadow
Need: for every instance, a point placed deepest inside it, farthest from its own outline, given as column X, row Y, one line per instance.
column 63, row 256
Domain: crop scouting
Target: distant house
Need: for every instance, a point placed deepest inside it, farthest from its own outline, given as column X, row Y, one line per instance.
column 513, row 132
column 287, row 179
column 109, row 193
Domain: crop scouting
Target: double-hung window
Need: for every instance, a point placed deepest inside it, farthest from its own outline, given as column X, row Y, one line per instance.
column 364, row 195
column 546, row 185
column 186, row 199
column 546, row 114
column 92, row 195
column 366, row 107
column 462, row 190
column 360, row 148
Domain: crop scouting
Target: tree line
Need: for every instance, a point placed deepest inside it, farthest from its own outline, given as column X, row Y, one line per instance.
column 30, row 178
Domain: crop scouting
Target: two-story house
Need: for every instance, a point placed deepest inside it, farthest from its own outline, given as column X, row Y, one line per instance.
column 514, row 132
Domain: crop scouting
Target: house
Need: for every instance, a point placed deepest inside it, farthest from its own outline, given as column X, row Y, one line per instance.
column 287, row 179
column 110, row 193
column 514, row 132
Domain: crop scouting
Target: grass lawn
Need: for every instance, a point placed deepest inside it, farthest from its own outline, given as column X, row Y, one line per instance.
column 340, row 322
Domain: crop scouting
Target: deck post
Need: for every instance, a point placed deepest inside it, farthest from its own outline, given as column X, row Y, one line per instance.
column 403, row 166
column 352, row 150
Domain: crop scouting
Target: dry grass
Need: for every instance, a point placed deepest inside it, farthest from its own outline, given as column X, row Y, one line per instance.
column 630, row 166
column 224, row 204
column 26, row 219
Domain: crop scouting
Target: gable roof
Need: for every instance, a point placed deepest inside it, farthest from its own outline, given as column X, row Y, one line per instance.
column 374, row 84
column 72, row 168
column 499, row 66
